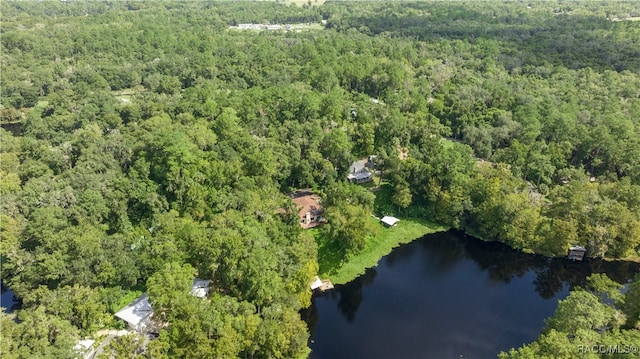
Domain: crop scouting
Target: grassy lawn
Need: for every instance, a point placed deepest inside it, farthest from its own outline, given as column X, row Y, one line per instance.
column 377, row 247
column 388, row 238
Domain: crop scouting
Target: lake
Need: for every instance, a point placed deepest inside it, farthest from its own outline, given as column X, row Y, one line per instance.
column 447, row 295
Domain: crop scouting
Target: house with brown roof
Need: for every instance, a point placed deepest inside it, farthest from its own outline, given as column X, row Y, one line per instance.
column 309, row 208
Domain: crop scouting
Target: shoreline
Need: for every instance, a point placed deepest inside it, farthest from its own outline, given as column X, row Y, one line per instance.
column 389, row 238
column 406, row 231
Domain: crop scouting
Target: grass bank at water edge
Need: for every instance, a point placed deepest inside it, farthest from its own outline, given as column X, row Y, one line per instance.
column 377, row 247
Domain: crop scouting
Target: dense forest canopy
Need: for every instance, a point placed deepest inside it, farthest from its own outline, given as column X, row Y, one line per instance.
column 146, row 143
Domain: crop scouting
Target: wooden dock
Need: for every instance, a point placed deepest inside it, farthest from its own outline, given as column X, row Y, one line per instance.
column 322, row 285
column 326, row 285
column 576, row 253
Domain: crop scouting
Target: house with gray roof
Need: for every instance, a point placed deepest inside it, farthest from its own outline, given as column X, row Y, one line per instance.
column 359, row 173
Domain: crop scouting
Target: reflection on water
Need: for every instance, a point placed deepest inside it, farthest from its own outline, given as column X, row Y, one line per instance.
column 351, row 294
column 445, row 296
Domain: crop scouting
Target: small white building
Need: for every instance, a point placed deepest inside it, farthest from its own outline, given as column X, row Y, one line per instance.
column 389, row 221
column 322, row 285
column 317, row 283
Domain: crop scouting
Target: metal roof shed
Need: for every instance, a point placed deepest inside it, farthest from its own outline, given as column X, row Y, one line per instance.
column 389, row 221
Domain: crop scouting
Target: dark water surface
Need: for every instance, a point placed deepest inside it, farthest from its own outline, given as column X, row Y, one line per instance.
column 446, row 296
column 6, row 299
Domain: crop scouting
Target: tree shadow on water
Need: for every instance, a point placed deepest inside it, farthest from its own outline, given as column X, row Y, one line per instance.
column 351, row 294
column 503, row 263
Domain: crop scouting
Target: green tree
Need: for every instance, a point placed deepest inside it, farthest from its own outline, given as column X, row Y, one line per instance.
column 348, row 227
column 401, row 195
column 631, row 306
column 336, row 147
column 81, row 306
column 605, row 288
column 124, row 347
column 581, row 310
column 282, row 334
column 167, row 285
column 37, row 334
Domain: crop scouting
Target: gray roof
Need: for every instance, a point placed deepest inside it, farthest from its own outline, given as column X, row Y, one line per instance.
column 357, row 166
column 136, row 311
column 359, row 176
column 200, row 287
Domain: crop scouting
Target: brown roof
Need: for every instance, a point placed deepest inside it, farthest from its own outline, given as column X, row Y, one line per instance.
column 308, row 203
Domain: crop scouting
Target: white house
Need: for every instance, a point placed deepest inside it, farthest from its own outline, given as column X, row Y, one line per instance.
column 359, row 173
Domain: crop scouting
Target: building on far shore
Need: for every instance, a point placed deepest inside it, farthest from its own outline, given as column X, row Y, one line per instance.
column 576, row 253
